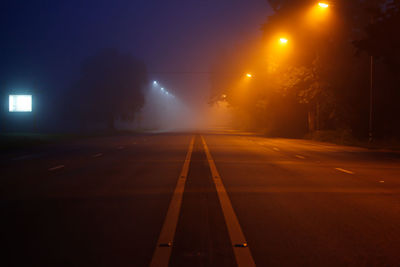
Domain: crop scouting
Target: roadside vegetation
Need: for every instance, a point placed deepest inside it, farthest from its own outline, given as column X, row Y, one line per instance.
column 310, row 74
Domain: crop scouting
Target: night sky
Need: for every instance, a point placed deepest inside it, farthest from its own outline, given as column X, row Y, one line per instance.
column 49, row 39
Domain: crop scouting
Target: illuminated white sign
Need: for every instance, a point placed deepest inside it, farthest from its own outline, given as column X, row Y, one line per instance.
column 20, row 103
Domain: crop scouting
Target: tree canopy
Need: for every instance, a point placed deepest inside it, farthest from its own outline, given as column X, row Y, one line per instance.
column 321, row 75
column 110, row 87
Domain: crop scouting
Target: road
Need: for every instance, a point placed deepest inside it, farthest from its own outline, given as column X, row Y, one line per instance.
column 211, row 198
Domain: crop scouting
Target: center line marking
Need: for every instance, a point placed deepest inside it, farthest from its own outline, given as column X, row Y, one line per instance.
column 300, row 157
column 165, row 241
column 240, row 247
column 275, row 148
column 56, row 168
column 97, row 155
column 345, row 171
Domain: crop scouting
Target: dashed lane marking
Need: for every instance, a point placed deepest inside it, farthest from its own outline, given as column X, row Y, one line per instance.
column 345, row 171
column 275, row 148
column 97, row 155
column 23, row 157
column 56, row 168
column 240, row 247
column 300, row 157
column 165, row 241
column 120, row 147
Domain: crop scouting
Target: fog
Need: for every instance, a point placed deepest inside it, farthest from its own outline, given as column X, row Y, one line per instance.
column 166, row 111
column 46, row 55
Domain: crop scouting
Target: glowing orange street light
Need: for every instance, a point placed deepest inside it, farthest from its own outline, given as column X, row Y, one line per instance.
column 323, row 5
column 283, row 41
column 249, row 75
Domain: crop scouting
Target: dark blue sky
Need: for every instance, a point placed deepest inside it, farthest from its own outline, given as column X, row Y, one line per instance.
column 50, row 38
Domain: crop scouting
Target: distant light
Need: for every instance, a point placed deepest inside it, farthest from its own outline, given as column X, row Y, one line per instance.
column 167, row 93
column 323, row 5
column 20, row 103
column 162, row 89
column 283, row 41
column 155, row 83
column 249, row 75
column 223, row 96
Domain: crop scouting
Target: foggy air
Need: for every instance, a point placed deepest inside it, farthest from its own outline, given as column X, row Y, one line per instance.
column 200, row 133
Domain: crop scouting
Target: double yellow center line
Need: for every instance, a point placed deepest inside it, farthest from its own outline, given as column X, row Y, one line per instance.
column 238, row 241
column 165, row 242
column 166, row 239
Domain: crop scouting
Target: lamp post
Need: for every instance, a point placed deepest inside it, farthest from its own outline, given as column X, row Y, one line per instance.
column 371, row 83
column 371, row 91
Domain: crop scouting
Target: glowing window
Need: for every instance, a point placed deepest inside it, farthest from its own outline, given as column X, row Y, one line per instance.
column 20, row 103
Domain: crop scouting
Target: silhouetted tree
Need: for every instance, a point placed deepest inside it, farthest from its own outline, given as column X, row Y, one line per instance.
column 383, row 41
column 321, row 71
column 110, row 87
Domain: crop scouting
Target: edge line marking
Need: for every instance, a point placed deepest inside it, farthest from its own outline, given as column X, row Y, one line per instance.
column 165, row 242
column 56, row 168
column 239, row 244
column 343, row 170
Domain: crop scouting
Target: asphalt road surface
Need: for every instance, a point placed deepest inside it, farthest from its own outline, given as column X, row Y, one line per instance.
column 199, row 199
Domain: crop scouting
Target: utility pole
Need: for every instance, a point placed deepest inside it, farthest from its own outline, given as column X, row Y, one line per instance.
column 371, row 93
column 371, row 89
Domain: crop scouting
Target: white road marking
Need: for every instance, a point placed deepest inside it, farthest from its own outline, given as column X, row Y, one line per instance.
column 29, row 156
column 300, row 157
column 97, row 155
column 165, row 241
column 120, row 147
column 22, row 157
column 56, row 168
column 345, row 171
column 240, row 247
column 275, row 148
column 381, row 181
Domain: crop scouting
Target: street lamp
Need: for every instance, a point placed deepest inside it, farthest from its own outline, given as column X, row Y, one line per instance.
column 323, row 5
column 283, row 41
column 249, row 75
